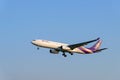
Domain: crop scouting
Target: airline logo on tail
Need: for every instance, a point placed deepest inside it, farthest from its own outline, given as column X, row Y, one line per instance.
column 92, row 49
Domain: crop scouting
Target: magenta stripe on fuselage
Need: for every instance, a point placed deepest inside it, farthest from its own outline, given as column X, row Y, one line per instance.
column 84, row 50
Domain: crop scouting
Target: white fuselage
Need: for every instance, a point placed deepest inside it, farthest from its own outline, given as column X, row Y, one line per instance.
column 55, row 45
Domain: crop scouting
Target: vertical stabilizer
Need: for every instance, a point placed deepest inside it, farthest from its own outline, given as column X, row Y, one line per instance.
column 96, row 46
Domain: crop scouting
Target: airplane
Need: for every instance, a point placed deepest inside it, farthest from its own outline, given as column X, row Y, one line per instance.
column 56, row 47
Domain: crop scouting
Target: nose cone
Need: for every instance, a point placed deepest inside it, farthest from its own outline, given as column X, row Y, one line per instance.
column 33, row 42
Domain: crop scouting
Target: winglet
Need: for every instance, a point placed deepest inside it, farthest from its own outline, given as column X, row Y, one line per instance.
column 98, row 38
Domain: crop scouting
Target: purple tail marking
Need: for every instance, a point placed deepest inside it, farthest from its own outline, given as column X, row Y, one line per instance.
column 85, row 50
column 93, row 48
column 96, row 46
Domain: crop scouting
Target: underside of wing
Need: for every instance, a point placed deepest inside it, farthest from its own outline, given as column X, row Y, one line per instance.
column 73, row 46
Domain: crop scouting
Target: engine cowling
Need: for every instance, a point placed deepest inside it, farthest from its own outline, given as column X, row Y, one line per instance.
column 53, row 51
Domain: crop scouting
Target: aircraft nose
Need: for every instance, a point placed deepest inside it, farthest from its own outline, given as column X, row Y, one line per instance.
column 33, row 41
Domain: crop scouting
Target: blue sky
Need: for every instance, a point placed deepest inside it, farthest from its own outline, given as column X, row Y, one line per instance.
column 69, row 21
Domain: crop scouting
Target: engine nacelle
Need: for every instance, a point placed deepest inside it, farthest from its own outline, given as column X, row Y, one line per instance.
column 53, row 51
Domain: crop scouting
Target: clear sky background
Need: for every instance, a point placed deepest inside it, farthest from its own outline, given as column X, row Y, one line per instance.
column 69, row 21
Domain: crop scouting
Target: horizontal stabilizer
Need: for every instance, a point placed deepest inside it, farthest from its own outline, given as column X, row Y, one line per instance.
column 99, row 50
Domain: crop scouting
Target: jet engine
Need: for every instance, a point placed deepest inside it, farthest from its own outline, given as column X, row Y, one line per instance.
column 53, row 51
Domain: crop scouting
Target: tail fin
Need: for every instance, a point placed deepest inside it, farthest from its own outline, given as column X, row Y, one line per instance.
column 96, row 46
column 94, row 49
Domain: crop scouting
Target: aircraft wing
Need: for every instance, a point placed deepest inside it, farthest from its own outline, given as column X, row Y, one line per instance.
column 73, row 46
